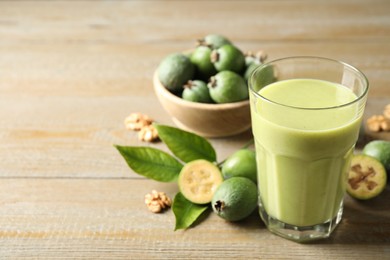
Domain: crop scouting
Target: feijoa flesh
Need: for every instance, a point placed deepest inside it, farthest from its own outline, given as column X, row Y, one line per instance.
column 196, row 91
column 198, row 180
column 235, row 199
column 227, row 87
column 366, row 177
column 174, row 71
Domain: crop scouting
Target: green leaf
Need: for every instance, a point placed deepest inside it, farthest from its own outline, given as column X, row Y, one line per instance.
column 151, row 163
column 185, row 145
column 186, row 212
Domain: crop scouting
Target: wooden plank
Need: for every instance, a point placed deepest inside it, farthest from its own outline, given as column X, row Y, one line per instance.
column 146, row 21
column 94, row 218
column 116, row 69
column 74, row 137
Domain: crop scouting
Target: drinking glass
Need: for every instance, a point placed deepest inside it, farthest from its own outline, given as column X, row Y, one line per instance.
column 306, row 114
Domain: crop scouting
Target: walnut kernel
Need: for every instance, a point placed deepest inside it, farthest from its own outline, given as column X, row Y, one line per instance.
column 136, row 121
column 378, row 123
column 386, row 111
column 157, row 201
column 148, row 134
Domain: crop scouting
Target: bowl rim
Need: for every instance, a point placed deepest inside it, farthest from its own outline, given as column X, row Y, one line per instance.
column 159, row 88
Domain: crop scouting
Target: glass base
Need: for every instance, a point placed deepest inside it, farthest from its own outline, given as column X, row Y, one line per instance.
column 299, row 233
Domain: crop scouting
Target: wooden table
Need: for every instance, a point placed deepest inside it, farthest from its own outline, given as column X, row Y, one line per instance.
column 71, row 71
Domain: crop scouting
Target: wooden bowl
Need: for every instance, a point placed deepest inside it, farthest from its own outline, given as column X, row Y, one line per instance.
column 208, row 120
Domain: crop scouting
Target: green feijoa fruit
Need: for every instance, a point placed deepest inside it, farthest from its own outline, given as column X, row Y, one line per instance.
column 174, row 71
column 235, row 199
column 380, row 150
column 196, row 91
column 366, row 177
column 242, row 163
column 227, row 87
column 257, row 58
column 214, row 41
column 264, row 76
column 252, row 61
column 228, row 57
column 201, row 58
column 249, row 70
column 249, row 60
column 198, row 180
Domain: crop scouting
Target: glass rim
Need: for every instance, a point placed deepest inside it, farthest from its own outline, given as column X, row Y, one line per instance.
column 356, row 70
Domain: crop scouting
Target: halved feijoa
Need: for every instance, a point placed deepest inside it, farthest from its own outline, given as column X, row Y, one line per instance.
column 198, row 180
column 366, row 178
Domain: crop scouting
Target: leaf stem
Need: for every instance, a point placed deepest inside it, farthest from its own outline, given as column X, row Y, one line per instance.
column 249, row 143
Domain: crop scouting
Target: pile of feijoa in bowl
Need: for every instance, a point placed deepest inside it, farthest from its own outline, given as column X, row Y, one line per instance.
column 216, row 71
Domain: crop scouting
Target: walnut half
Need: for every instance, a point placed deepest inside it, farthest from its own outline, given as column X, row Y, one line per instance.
column 143, row 124
column 378, row 123
column 148, row 134
column 136, row 121
column 386, row 111
column 157, row 201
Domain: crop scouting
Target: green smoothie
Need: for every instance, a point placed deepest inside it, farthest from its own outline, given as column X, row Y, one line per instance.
column 303, row 150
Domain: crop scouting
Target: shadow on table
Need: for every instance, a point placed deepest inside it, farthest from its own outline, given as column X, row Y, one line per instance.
column 364, row 222
column 252, row 222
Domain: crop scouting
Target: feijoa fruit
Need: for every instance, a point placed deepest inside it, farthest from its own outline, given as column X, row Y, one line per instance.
column 227, row 87
column 198, row 180
column 242, row 163
column 228, row 57
column 201, row 58
column 235, row 199
column 380, row 150
column 214, row 41
column 366, row 177
column 174, row 71
column 196, row 91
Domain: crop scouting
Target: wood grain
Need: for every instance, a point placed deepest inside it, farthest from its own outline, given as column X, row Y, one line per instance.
column 71, row 71
column 108, row 219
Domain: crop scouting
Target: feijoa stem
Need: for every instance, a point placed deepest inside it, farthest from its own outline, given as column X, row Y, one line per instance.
column 249, row 143
column 202, row 42
column 189, row 84
column 214, row 56
column 219, row 205
column 212, row 82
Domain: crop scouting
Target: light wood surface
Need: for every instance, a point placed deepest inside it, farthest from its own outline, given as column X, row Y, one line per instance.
column 71, row 71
